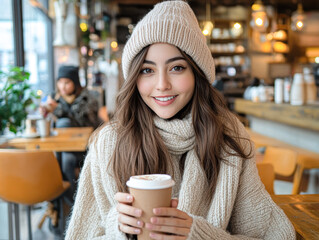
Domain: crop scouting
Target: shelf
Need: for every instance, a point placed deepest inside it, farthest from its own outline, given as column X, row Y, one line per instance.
column 227, row 53
column 227, row 40
column 228, row 65
column 261, row 53
column 234, row 91
column 237, row 76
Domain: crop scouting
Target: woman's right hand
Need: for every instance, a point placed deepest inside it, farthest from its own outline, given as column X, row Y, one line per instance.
column 128, row 222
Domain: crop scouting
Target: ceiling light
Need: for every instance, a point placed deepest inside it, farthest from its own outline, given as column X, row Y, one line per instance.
column 237, row 25
column 207, row 30
column 259, row 19
column 298, row 19
column 208, row 25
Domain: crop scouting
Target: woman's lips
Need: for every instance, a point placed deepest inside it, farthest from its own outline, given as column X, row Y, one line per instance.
column 165, row 100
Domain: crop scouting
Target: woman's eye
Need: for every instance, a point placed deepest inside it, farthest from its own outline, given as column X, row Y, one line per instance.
column 178, row 68
column 146, row 71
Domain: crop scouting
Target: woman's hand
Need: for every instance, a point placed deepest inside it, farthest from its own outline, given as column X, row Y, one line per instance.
column 128, row 222
column 170, row 223
column 51, row 103
column 48, row 107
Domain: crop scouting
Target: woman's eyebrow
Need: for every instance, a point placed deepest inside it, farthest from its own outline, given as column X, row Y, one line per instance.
column 166, row 62
column 174, row 59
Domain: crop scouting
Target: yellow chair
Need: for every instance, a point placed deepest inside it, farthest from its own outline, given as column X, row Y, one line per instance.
column 276, row 160
column 284, row 160
column 267, row 176
column 30, row 177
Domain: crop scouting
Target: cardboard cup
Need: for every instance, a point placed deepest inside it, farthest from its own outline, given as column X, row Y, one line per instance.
column 150, row 191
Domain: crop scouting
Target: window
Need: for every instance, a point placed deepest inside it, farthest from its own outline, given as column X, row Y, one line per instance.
column 6, row 39
column 38, row 46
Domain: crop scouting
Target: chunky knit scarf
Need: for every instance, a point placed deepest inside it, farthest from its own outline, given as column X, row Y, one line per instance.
column 179, row 137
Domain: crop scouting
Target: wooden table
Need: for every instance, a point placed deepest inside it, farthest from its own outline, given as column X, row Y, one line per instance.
column 303, row 212
column 305, row 159
column 64, row 140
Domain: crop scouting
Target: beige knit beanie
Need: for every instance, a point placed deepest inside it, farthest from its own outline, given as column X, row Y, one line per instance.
column 172, row 22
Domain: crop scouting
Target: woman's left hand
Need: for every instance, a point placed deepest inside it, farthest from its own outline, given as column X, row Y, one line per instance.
column 169, row 223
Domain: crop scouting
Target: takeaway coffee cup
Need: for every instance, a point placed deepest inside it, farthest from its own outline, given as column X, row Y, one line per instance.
column 43, row 127
column 150, row 191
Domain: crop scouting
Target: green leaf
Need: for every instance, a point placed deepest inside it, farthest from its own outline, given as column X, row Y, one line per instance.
column 15, row 97
column 12, row 128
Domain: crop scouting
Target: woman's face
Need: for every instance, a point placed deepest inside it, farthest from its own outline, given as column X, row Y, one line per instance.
column 65, row 86
column 166, row 82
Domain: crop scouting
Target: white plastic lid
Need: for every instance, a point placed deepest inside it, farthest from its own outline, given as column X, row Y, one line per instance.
column 151, row 181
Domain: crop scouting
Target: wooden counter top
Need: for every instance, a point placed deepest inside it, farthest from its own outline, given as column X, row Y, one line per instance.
column 306, row 116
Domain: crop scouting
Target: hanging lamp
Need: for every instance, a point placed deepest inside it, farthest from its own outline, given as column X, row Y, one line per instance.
column 298, row 19
column 259, row 20
column 208, row 25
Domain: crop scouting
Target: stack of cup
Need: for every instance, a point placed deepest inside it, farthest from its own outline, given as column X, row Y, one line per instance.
column 279, row 90
column 149, row 192
column 297, row 94
column 311, row 89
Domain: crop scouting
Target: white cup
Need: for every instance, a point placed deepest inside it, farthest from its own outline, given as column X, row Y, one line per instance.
column 43, row 127
column 279, row 90
column 297, row 94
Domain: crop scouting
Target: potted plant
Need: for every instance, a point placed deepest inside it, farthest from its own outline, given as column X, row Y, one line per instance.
column 15, row 98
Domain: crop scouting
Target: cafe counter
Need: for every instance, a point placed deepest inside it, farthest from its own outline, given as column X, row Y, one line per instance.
column 296, row 125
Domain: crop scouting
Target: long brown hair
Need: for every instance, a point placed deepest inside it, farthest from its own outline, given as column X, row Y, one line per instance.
column 139, row 147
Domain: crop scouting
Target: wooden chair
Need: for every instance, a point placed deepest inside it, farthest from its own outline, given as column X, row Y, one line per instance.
column 267, row 176
column 276, row 160
column 30, row 177
column 284, row 160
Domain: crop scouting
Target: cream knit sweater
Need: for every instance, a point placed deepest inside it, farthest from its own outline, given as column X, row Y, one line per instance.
column 240, row 209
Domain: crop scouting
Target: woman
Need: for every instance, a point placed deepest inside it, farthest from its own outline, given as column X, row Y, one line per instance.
column 171, row 120
column 73, row 106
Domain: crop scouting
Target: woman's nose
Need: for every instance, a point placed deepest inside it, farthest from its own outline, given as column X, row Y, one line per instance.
column 163, row 82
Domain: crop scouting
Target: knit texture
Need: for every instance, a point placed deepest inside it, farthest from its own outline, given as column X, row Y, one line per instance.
column 172, row 22
column 241, row 208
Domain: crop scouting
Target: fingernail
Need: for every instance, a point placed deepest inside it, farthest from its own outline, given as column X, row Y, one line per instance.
column 139, row 223
column 156, row 210
column 129, row 198
column 137, row 231
column 138, row 212
column 153, row 220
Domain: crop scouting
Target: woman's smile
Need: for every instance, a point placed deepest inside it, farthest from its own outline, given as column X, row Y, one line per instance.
column 165, row 100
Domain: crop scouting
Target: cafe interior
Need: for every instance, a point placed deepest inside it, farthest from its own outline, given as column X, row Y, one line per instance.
column 266, row 55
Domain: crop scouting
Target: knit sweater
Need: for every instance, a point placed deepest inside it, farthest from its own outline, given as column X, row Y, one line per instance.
column 240, row 208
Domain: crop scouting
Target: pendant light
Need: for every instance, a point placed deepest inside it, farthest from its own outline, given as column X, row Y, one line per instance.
column 259, row 20
column 208, row 25
column 298, row 19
